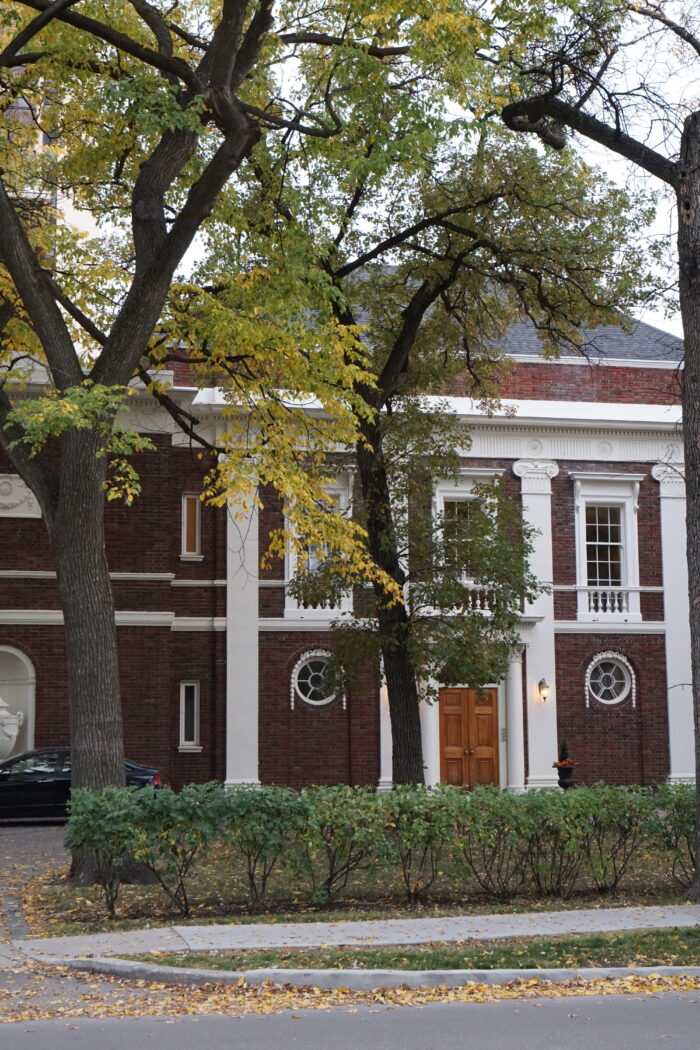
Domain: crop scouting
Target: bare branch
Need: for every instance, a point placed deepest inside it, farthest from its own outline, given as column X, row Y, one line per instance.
column 657, row 15
column 545, row 116
column 327, row 40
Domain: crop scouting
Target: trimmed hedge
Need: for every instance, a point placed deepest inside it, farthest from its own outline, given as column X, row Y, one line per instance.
column 543, row 842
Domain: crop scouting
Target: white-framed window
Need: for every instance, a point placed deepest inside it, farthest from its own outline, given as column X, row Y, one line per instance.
column 452, row 503
column 191, row 530
column 610, row 680
column 607, row 558
column 311, row 682
column 189, row 716
column 337, row 494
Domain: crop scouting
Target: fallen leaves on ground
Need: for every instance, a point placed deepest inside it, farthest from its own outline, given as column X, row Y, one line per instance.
column 89, row 996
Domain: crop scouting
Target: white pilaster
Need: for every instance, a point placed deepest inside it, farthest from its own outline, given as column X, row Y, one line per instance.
column 515, row 727
column 676, row 613
column 385, row 742
column 430, row 733
column 536, row 487
column 242, row 562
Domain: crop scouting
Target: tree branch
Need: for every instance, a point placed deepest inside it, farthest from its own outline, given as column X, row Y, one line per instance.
column 33, row 27
column 36, row 473
column 327, row 40
column 658, row 16
column 173, row 65
column 37, row 296
column 534, row 115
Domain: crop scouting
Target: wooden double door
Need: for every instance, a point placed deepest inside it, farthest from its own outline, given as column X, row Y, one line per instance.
column 469, row 736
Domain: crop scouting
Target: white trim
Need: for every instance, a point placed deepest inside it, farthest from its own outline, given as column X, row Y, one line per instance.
column 190, row 745
column 41, row 574
column 309, row 626
column 622, row 492
column 596, row 360
column 339, row 487
column 195, row 551
column 198, row 583
column 198, row 623
column 631, row 684
column 609, row 627
column 296, row 694
column 16, row 498
column 54, row 617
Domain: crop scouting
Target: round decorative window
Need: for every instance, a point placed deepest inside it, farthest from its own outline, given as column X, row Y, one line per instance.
column 311, row 680
column 610, row 679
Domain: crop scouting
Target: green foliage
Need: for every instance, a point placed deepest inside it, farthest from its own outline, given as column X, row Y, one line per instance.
column 674, row 828
column 418, row 825
column 547, row 842
column 618, row 824
column 491, row 835
column 107, row 823
column 176, row 827
column 261, row 825
column 558, row 835
column 341, row 831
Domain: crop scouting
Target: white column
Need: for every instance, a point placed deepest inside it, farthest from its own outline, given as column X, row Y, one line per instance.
column 536, row 487
column 515, row 727
column 676, row 614
column 242, row 563
column 385, row 742
column 430, row 733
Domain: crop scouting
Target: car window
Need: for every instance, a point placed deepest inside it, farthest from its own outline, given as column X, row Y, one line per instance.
column 33, row 765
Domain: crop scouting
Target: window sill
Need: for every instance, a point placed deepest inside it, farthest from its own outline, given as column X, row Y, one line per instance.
column 189, row 748
column 191, row 557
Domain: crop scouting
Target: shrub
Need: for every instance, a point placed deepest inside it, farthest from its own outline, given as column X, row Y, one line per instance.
column 673, row 827
column 176, row 827
column 417, row 825
column 558, row 833
column 618, row 821
column 105, row 821
column 341, row 833
column 491, row 839
column 261, row 824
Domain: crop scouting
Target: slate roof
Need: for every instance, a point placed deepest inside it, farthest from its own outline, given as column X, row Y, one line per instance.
column 642, row 343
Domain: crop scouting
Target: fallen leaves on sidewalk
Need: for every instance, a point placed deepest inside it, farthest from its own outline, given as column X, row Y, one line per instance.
column 88, row 996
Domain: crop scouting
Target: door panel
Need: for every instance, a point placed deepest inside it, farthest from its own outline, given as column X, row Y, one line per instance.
column 469, row 736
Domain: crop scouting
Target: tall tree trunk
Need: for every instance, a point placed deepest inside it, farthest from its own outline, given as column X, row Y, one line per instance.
column 76, row 531
column 689, row 280
column 394, row 624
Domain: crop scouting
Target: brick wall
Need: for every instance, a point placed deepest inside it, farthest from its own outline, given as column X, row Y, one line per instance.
column 314, row 745
column 620, row 744
column 557, row 381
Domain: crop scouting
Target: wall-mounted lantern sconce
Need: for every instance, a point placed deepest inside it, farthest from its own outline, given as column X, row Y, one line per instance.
column 543, row 688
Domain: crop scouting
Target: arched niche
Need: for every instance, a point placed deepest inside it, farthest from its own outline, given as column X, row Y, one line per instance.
column 18, row 690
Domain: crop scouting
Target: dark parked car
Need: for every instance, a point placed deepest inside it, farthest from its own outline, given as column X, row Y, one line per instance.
column 35, row 785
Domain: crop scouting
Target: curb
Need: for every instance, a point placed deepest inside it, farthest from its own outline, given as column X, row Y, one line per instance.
column 362, row 980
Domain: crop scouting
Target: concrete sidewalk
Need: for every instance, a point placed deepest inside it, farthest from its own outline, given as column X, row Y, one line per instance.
column 447, row 929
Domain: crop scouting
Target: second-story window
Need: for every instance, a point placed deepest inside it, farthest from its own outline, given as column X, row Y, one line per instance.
column 606, row 540
column 191, row 526
column 604, row 550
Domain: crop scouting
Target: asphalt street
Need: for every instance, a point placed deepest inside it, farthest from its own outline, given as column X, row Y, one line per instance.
column 670, row 1021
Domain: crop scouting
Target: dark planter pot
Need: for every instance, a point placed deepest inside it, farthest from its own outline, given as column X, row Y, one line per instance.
column 566, row 776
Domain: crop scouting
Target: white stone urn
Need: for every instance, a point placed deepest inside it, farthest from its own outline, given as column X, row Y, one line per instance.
column 10, row 726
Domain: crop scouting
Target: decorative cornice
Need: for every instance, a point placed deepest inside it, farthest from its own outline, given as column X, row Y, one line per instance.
column 16, row 499
column 536, row 474
column 671, row 480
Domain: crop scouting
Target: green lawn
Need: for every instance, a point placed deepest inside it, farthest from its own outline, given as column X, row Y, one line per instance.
column 667, row 947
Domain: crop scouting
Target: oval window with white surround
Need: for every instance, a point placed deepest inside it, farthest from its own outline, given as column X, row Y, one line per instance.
column 610, row 679
column 311, row 681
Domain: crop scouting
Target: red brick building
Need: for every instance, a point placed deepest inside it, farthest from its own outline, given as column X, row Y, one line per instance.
column 221, row 668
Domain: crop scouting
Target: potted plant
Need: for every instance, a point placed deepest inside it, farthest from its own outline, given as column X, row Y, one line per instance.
column 564, row 765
